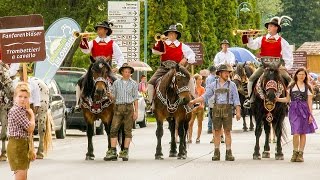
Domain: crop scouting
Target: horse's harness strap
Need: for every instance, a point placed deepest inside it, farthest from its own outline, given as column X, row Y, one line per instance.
column 221, row 91
column 96, row 107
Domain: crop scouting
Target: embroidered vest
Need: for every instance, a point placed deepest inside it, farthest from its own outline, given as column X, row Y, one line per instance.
column 271, row 47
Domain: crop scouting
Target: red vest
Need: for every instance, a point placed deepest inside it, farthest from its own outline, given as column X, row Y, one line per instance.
column 102, row 49
column 270, row 47
column 172, row 53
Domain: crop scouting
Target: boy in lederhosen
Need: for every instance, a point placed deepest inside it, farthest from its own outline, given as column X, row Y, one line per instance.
column 125, row 93
column 225, row 98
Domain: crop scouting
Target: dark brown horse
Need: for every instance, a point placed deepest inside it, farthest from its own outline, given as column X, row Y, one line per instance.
column 266, row 111
column 240, row 78
column 316, row 97
column 95, row 103
column 172, row 97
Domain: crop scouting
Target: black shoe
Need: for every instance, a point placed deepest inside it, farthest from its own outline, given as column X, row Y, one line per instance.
column 209, row 131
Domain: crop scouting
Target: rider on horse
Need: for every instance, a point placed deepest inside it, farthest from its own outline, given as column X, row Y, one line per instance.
column 101, row 46
column 272, row 48
column 172, row 51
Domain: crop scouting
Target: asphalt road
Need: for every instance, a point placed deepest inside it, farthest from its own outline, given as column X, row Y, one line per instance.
column 66, row 160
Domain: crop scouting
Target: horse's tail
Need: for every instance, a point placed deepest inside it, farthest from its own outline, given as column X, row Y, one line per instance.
column 47, row 142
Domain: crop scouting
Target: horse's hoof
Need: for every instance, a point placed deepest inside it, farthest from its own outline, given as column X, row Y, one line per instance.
column 3, row 157
column 256, row 157
column 182, row 156
column 245, row 130
column 265, row 154
column 158, row 157
column 251, row 129
column 173, row 154
column 89, row 158
column 279, row 157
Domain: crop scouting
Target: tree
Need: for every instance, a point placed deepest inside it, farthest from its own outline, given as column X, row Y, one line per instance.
column 305, row 24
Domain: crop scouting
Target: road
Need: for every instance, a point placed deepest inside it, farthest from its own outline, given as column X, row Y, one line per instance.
column 66, row 160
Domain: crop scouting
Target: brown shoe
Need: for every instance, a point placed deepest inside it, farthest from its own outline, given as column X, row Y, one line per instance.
column 300, row 157
column 229, row 156
column 216, row 155
column 294, row 156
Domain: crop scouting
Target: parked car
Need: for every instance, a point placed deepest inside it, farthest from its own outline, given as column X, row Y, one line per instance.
column 67, row 78
column 58, row 110
column 141, row 120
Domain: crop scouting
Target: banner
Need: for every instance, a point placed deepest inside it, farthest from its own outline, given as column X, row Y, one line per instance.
column 59, row 40
column 22, row 38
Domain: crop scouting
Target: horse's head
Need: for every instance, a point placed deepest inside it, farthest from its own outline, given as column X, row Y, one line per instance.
column 270, row 83
column 180, row 81
column 100, row 71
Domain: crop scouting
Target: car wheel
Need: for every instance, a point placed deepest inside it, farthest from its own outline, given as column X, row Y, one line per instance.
column 61, row 133
column 100, row 129
column 144, row 122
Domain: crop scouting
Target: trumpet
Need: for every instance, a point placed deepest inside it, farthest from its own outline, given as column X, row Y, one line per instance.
column 160, row 37
column 77, row 34
column 249, row 32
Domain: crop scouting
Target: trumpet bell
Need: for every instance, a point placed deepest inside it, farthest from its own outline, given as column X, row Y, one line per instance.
column 160, row 37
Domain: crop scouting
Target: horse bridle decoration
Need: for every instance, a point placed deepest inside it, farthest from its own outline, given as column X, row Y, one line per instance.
column 172, row 107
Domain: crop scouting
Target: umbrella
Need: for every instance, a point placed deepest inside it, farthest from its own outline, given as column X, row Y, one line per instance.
column 242, row 54
column 140, row 66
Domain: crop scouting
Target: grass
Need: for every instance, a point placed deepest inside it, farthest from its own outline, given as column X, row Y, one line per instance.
column 151, row 119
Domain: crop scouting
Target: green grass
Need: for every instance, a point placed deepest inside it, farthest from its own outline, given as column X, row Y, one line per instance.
column 151, row 119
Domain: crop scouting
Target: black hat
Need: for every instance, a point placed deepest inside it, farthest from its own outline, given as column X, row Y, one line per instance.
column 212, row 69
column 173, row 28
column 224, row 67
column 126, row 65
column 225, row 42
column 274, row 21
column 106, row 25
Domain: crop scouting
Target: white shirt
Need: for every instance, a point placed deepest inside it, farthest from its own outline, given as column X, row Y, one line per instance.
column 224, row 58
column 286, row 50
column 34, row 91
column 186, row 50
column 14, row 67
column 117, row 54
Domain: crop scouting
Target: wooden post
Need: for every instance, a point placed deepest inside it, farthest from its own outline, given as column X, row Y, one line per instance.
column 192, row 69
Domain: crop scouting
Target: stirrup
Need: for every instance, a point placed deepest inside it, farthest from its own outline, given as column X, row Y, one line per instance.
column 77, row 108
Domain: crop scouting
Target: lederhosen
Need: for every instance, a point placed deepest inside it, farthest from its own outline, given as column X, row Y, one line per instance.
column 221, row 113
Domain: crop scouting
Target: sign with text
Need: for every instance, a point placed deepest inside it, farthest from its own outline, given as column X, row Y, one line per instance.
column 299, row 60
column 22, row 38
column 198, row 50
column 126, row 29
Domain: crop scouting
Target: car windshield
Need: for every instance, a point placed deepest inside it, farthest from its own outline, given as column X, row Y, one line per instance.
column 67, row 82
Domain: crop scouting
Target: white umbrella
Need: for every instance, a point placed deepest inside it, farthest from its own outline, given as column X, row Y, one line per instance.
column 140, row 66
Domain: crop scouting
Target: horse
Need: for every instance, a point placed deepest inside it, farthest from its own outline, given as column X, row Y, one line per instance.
column 172, row 97
column 6, row 96
column 266, row 111
column 240, row 78
column 95, row 103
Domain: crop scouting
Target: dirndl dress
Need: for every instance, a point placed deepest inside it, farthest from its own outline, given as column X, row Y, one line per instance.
column 299, row 113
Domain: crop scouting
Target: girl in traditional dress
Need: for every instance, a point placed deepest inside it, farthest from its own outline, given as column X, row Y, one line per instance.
column 300, row 112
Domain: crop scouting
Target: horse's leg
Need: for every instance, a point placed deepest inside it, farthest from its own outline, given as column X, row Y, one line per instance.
column 173, row 146
column 258, row 131
column 251, row 128
column 182, row 143
column 243, row 113
column 3, row 135
column 41, row 129
column 107, row 128
column 278, row 132
column 266, row 150
column 159, row 134
column 186, row 126
column 90, row 155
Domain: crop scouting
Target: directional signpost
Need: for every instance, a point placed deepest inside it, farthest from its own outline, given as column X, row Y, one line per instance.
column 126, row 29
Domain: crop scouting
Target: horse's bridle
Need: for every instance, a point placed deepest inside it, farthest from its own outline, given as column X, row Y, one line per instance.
column 174, row 84
column 102, row 79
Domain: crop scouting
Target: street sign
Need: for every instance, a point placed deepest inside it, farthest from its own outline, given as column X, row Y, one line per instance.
column 126, row 29
column 22, row 38
column 198, row 50
column 299, row 60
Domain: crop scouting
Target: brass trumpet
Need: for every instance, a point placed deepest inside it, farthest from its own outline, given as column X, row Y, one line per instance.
column 249, row 32
column 77, row 34
column 160, row 37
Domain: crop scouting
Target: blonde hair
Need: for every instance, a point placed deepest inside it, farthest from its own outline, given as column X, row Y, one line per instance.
column 22, row 87
column 197, row 76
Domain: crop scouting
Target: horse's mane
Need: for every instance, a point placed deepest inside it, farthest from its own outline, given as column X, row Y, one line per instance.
column 240, row 70
column 88, row 83
column 249, row 70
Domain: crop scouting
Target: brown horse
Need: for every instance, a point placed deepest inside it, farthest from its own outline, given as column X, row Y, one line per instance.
column 316, row 97
column 95, row 103
column 240, row 78
column 172, row 97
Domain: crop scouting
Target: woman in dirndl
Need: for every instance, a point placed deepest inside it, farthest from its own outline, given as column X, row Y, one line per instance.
column 302, row 122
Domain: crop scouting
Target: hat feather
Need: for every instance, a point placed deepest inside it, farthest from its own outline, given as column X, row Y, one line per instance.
column 179, row 24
